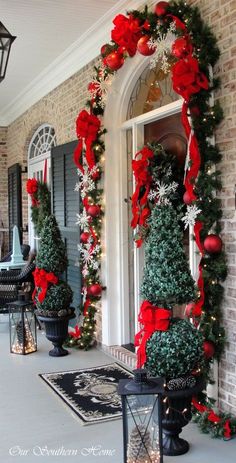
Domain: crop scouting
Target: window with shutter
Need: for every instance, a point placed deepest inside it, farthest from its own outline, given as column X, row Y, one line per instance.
column 65, row 205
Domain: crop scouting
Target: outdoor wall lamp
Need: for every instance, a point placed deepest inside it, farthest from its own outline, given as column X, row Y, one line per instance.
column 6, row 40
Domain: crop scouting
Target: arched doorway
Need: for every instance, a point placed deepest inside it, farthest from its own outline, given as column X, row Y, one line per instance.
column 136, row 107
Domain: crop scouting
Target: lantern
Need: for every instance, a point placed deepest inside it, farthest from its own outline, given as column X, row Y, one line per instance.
column 22, row 326
column 142, row 418
column 6, row 40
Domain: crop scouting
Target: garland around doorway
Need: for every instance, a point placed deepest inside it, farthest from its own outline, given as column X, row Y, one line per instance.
column 175, row 36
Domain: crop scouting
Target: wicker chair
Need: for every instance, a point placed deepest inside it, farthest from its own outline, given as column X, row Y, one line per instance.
column 11, row 281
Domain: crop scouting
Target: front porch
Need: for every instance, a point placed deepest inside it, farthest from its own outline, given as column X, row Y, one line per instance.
column 31, row 427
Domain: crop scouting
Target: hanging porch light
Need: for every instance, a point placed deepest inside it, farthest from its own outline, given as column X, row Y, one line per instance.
column 6, row 40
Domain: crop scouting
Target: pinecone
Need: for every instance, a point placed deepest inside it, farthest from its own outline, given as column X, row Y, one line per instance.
column 181, row 383
column 139, row 446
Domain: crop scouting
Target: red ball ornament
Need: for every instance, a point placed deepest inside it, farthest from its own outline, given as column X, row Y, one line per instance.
column 95, row 290
column 114, row 60
column 94, row 210
column 181, row 47
column 209, row 349
column 143, row 48
column 189, row 309
column 84, row 237
column 160, row 8
column 187, row 198
column 104, row 49
column 212, row 244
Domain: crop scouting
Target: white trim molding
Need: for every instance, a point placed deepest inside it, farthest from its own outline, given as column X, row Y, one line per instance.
column 74, row 58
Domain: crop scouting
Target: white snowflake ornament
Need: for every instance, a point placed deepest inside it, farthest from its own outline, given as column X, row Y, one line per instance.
column 190, row 217
column 162, row 191
column 83, row 220
column 162, row 46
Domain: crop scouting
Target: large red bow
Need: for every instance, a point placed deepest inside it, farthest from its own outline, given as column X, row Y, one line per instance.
column 152, row 318
column 126, row 33
column 187, row 78
column 42, row 279
column 87, row 127
column 31, row 186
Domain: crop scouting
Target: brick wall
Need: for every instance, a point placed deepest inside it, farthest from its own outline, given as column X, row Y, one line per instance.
column 3, row 189
column 61, row 106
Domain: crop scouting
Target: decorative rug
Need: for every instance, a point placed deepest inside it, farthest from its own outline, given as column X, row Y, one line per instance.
column 92, row 392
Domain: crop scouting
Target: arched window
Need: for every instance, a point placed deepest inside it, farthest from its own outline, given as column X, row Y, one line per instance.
column 152, row 90
column 42, row 141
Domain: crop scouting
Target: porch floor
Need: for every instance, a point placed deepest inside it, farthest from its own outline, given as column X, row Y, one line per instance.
column 33, row 416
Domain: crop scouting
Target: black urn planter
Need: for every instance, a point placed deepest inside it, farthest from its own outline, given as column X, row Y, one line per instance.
column 175, row 419
column 56, row 330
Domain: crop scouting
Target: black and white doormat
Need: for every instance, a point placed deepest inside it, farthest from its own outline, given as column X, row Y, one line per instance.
column 92, row 392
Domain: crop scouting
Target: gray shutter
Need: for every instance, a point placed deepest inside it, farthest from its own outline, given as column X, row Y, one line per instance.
column 14, row 200
column 65, row 205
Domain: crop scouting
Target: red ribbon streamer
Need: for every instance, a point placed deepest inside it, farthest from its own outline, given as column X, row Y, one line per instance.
column 227, row 430
column 140, row 209
column 87, row 128
column 45, row 171
column 194, row 155
column 152, row 318
column 86, row 306
column 42, row 280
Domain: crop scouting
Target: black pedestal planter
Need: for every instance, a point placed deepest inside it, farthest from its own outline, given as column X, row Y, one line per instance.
column 175, row 420
column 56, row 331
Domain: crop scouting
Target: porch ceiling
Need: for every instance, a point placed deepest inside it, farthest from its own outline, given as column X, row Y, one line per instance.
column 48, row 31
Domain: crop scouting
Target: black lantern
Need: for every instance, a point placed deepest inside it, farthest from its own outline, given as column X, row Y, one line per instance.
column 6, row 40
column 22, row 326
column 142, row 418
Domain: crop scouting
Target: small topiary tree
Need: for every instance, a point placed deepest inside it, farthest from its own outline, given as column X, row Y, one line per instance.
column 167, row 279
column 52, row 295
column 52, row 253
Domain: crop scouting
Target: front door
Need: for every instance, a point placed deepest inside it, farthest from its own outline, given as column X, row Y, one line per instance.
column 168, row 131
column 39, row 168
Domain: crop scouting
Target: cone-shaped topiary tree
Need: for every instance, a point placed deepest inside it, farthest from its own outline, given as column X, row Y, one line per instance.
column 173, row 347
column 52, row 296
column 52, row 254
column 167, row 279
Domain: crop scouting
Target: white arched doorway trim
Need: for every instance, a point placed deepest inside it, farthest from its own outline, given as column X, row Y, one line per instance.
column 115, row 304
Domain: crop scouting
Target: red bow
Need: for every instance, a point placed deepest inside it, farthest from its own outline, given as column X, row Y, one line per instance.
column 76, row 333
column 42, row 279
column 31, row 186
column 187, row 78
column 87, row 127
column 152, row 318
column 126, row 33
